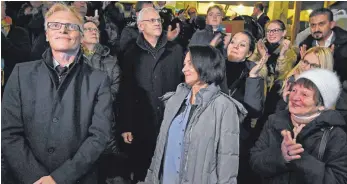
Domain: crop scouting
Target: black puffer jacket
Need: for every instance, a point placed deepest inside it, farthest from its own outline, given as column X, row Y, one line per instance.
column 340, row 51
column 267, row 159
column 103, row 61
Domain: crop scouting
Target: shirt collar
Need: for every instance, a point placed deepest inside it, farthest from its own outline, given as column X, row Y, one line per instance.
column 56, row 63
column 260, row 15
column 327, row 42
column 188, row 98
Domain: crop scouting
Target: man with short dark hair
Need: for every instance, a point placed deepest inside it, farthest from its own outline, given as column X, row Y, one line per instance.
column 325, row 33
column 152, row 67
column 258, row 12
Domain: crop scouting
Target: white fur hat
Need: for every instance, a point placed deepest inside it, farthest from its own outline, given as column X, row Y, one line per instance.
column 328, row 84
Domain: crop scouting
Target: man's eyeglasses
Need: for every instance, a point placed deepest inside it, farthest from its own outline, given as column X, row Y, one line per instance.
column 89, row 29
column 312, row 65
column 58, row 25
column 268, row 31
column 153, row 21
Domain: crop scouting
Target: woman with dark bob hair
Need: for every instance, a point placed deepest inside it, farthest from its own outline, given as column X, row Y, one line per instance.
column 199, row 136
column 305, row 144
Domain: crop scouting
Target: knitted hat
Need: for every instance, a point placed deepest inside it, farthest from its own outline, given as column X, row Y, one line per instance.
column 328, row 84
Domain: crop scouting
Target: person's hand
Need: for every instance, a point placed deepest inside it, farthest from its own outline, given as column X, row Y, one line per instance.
column 45, row 180
column 172, row 34
column 290, row 149
column 216, row 40
column 128, row 137
column 285, row 47
column 226, row 40
column 297, row 129
column 94, row 19
column 257, row 68
column 303, row 51
column 261, row 48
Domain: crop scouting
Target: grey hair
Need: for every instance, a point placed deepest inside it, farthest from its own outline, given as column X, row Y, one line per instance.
column 143, row 12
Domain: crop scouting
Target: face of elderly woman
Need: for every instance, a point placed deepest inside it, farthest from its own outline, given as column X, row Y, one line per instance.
column 301, row 101
column 238, row 49
column 190, row 74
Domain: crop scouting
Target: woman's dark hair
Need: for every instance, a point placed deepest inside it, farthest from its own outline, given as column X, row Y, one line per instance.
column 217, row 7
column 306, row 83
column 208, row 62
column 251, row 40
column 279, row 22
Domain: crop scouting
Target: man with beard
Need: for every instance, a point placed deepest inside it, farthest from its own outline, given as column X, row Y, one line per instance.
column 324, row 33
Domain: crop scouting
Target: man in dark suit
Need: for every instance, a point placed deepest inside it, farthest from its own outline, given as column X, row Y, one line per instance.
column 258, row 13
column 56, row 111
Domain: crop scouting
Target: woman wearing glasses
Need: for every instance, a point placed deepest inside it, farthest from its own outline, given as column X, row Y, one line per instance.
column 281, row 61
column 316, row 57
column 98, row 56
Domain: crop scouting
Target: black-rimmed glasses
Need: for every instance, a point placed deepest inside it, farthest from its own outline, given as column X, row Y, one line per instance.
column 68, row 26
column 268, row 31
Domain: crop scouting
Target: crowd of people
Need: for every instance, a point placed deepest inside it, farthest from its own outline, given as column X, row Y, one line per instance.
column 92, row 97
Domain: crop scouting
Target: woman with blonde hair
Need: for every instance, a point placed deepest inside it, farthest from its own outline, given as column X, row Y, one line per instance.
column 316, row 57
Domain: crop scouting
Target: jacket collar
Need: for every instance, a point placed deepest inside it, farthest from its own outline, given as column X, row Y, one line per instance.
column 209, row 28
column 203, row 96
column 162, row 41
column 47, row 57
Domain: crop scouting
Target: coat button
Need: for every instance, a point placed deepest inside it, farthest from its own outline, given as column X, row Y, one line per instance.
column 51, row 150
column 55, row 120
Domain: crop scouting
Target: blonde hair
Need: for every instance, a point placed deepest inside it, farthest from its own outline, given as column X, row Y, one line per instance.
column 325, row 58
column 62, row 7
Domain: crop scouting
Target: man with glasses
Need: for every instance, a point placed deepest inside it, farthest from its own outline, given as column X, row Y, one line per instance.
column 152, row 67
column 325, row 33
column 57, row 111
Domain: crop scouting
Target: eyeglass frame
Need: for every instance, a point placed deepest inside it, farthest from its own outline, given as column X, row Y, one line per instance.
column 65, row 24
column 89, row 29
column 273, row 31
column 312, row 65
column 160, row 20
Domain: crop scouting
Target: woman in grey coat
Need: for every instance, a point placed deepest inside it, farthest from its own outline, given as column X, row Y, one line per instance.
column 199, row 137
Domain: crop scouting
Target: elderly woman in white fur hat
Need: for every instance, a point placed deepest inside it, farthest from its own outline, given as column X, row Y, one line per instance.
column 305, row 144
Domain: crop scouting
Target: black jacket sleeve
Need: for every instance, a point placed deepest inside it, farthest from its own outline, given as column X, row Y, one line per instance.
column 266, row 158
column 332, row 169
column 254, row 96
column 99, row 135
column 17, row 153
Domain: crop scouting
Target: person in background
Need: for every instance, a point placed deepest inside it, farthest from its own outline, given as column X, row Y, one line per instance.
column 15, row 43
column 261, row 17
column 325, row 33
column 212, row 35
column 281, row 61
column 57, row 111
column 165, row 13
column 306, row 143
column 130, row 33
column 151, row 67
column 98, row 57
column 81, row 7
column 316, row 57
column 193, row 14
column 245, row 83
column 199, row 137
column 186, row 29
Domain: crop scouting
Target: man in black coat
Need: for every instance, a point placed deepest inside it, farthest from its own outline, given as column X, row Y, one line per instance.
column 152, row 67
column 57, row 111
column 324, row 33
column 258, row 13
